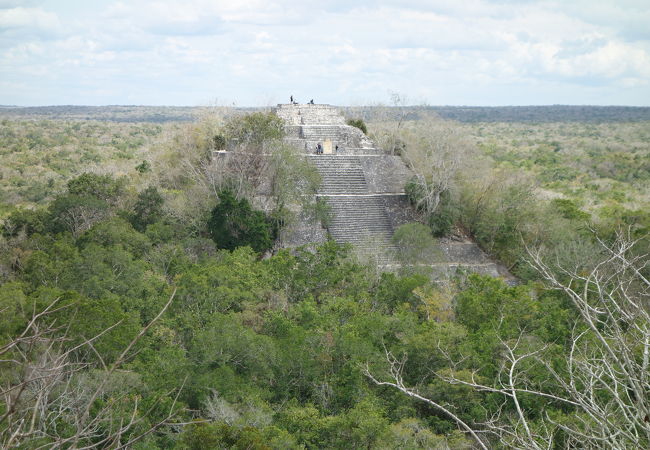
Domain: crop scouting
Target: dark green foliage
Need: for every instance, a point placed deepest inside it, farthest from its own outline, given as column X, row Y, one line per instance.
column 616, row 217
column 271, row 353
column 148, row 208
column 13, row 303
column 569, row 210
column 233, row 223
column 393, row 291
column 143, row 167
column 202, row 436
column 116, row 232
column 103, row 187
column 415, row 244
column 413, row 191
column 76, row 213
column 358, row 123
column 90, row 199
column 446, row 216
column 219, row 142
column 25, row 220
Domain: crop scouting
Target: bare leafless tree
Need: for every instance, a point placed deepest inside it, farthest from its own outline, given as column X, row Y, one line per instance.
column 388, row 123
column 396, row 367
column 49, row 395
column 435, row 150
column 80, row 218
column 605, row 381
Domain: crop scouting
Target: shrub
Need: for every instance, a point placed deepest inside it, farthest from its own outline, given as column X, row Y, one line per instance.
column 27, row 220
column 569, row 210
column 254, row 129
column 218, row 142
column 147, row 209
column 445, row 216
column 358, row 123
column 143, row 167
column 234, row 223
column 103, row 187
column 415, row 244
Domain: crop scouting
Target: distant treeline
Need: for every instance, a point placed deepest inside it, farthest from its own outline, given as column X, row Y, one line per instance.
column 467, row 114
column 554, row 113
column 509, row 114
column 112, row 113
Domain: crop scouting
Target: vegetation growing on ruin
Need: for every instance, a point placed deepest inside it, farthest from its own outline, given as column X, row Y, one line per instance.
column 137, row 310
column 358, row 123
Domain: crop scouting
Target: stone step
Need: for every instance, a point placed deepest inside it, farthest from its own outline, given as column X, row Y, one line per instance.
column 355, row 211
column 307, row 131
column 328, row 160
column 293, row 131
column 353, row 178
column 344, row 172
column 367, row 242
column 361, row 187
column 296, row 142
column 356, row 165
column 361, row 231
column 343, row 150
column 375, row 224
column 343, row 182
column 357, row 234
column 358, row 185
column 341, row 160
column 362, row 221
column 357, row 217
column 340, row 174
column 341, row 190
column 321, row 128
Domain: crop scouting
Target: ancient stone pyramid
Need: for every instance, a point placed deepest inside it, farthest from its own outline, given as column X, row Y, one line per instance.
column 364, row 187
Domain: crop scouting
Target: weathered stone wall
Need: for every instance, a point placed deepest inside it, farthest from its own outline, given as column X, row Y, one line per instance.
column 364, row 186
column 385, row 173
column 399, row 210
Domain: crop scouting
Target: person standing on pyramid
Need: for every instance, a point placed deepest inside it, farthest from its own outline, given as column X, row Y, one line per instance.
column 291, row 99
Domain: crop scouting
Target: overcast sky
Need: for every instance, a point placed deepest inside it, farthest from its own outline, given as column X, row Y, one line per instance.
column 345, row 52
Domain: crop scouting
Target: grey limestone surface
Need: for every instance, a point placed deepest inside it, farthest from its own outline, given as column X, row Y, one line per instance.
column 399, row 210
column 364, row 187
column 303, row 231
column 385, row 174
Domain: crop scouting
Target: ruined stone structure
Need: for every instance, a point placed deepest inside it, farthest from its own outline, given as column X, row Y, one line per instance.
column 364, row 187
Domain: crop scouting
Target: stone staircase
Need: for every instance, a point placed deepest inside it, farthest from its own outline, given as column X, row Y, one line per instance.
column 340, row 174
column 363, row 187
column 362, row 222
column 360, row 151
column 357, row 216
column 322, row 133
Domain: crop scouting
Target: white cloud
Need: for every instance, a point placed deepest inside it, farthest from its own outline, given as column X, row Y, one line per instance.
column 184, row 52
column 32, row 18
